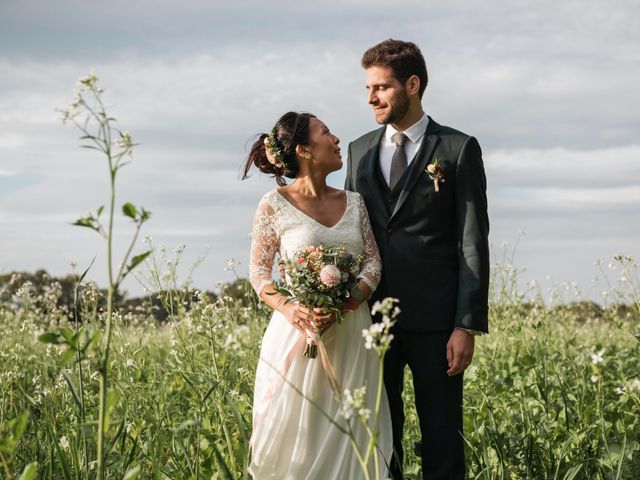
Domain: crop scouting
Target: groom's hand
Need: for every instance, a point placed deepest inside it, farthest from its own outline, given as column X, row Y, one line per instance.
column 459, row 351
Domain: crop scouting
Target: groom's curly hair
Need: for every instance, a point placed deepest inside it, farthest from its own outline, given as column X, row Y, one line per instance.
column 404, row 58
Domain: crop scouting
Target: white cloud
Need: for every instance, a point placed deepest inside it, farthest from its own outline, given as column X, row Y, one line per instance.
column 547, row 88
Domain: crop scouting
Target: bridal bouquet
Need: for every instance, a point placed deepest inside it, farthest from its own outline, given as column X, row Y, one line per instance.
column 319, row 277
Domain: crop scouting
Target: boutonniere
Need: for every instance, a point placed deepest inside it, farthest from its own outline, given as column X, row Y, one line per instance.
column 436, row 173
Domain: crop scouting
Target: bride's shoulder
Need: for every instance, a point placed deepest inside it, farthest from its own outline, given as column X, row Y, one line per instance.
column 271, row 201
column 270, row 196
column 354, row 197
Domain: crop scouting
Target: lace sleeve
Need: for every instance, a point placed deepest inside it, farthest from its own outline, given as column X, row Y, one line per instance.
column 265, row 243
column 371, row 265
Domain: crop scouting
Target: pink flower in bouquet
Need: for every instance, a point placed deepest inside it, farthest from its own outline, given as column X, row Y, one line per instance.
column 330, row 275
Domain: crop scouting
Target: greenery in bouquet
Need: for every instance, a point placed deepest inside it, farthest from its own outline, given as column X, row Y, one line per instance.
column 320, row 277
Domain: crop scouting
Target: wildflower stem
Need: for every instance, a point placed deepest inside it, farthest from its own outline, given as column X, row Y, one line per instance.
column 218, row 406
column 104, row 364
column 6, row 467
column 80, row 382
column 120, row 275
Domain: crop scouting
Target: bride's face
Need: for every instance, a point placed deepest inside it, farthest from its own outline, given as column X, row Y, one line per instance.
column 323, row 145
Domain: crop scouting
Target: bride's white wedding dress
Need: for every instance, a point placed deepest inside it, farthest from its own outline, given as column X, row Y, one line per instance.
column 293, row 438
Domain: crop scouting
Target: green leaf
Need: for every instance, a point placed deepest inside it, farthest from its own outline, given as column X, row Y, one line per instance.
column 138, row 259
column 210, row 391
column 100, row 210
column 74, row 394
column 64, row 460
column 29, row 472
column 19, row 424
column 95, row 338
column 113, row 397
column 51, row 337
column 130, row 210
column 84, row 274
column 144, row 215
column 132, row 473
column 573, row 472
column 238, row 416
column 66, row 356
column 91, row 147
column 85, row 222
column 70, row 338
column 221, row 462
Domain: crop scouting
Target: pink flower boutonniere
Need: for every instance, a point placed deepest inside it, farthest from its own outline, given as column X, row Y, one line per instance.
column 436, row 173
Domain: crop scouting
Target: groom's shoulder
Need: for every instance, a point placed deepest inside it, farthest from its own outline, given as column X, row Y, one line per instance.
column 450, row 134
column 446, row 131
column 367, row 138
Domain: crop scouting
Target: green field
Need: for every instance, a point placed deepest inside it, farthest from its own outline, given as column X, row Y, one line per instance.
column 554, row 391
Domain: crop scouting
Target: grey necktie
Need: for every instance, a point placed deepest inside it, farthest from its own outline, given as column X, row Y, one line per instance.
column 399, row 159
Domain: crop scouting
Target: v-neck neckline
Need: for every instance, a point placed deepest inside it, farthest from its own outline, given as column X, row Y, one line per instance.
column 313, row 219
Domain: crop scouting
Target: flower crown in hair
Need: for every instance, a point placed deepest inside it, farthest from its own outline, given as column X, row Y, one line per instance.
column 274, row 154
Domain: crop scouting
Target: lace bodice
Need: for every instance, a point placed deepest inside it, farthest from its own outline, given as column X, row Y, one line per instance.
column 280, row 228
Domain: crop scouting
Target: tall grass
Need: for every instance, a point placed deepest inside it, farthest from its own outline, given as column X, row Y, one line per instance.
column 554, row 392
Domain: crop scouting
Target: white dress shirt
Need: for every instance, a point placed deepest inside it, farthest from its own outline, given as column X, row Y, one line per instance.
column 415, row 134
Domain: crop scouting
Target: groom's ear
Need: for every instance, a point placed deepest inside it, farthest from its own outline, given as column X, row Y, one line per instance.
column 413, row 85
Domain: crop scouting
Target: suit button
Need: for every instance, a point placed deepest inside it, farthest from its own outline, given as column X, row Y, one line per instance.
column 389, row 231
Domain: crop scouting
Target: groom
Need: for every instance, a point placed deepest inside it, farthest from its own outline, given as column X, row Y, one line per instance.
column 425, row 190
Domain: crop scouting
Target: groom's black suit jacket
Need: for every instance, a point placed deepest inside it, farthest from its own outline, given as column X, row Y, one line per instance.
column 433, row 245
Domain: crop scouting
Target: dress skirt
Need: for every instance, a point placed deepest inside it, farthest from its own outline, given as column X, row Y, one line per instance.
column 295, row 410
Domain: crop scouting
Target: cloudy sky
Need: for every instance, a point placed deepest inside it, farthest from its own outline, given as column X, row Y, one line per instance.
column 550, row 89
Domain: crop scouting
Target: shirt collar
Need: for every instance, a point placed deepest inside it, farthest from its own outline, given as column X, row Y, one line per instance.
column 413, row 133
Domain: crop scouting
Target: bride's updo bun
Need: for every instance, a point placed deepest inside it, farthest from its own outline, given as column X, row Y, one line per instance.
column 274, row 153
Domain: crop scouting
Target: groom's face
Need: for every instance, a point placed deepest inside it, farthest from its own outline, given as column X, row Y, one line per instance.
column 386, row 94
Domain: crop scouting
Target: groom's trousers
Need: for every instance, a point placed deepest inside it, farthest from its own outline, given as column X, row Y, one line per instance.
column 438, row 401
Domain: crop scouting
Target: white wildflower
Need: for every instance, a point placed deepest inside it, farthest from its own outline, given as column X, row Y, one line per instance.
column 597, row 358
column 230, row 264
column 377, row 336
column 353, row 404
column 64, row 442
column 471, row 373
column 595, row 378
column 364, row 414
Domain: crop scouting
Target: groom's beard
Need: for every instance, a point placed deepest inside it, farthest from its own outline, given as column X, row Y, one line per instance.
column 397, row 110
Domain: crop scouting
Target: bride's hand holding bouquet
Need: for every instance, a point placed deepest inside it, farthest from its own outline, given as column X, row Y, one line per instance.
column 318, row 281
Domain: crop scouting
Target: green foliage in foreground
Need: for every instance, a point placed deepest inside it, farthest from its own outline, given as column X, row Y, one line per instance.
column 553, row 393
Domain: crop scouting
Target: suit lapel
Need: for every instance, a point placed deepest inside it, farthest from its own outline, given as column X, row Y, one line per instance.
column 419, row 163
column 369, row 165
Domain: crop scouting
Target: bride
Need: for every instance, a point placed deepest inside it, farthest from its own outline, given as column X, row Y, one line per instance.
column 295, row 410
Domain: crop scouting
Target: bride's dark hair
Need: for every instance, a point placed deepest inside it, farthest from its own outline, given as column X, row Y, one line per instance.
column 291, row 130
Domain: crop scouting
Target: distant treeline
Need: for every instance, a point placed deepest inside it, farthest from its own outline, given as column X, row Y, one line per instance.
column 58, row 292
column 49, row 290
